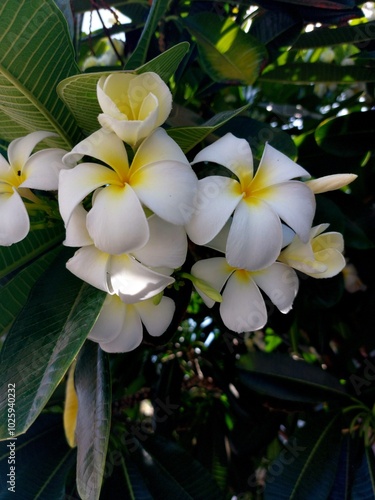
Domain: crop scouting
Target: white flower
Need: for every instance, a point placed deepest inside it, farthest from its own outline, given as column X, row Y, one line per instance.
column 242, row 307
column 22, row 173
column 320, row 257
column 133, row 105
column 119, row 325
column 137, row 276
column 257, row 202
column 330, row 182
column 159, row 178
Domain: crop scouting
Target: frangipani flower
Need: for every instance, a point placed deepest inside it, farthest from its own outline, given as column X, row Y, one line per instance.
column 242, row 307
column 330, row 182
column 159, row 178
column 133, row 105
column 22, row 173
column 119, row 325
column 257, row 202
column 137, row 276
column 320, row 257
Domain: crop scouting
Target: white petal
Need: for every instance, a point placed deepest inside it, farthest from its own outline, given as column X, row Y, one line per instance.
column 316, row 230
column 150, row 83
column 166, row 247
column 129, row 131
column 219, row 243
column 104, row 146
column 215, row 202
column 76, row 184
column 215, row 272
column 108, row 89
column 131, row 335
column 156, row 318
column 330, row 182
column 42, row 169
column 20, row 149
column 280, row 283
column 76, row 230
column 231, row 152
column 133, row 281
column 294, row 202
column 90, row 265
column 275, row 167
column 332, row 259
column 111, row 320
column 328, row 240
column 242, row 308
column 117, row 223
column 255, row 237
column 14, row 219
column 300, row 256
column 288, row 235
column 7, row 174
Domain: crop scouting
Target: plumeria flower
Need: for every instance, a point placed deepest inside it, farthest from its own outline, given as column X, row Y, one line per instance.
column 242, row 306
column 330, row 182
column 320, row 257
column 137, row 276
column 257, row 202
column 159, row 178
column 119, row 325
column 133, row 105
column 22, row 173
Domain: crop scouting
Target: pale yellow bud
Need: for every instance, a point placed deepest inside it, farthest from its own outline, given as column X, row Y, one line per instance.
column 330, row 182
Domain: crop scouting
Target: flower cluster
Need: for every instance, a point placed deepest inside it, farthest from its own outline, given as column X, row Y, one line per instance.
column 130, row 199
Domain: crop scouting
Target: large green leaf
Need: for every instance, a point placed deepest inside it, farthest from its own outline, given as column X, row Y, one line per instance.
column 35, row 54
column 79, row 92
column 348, row 135
column 327, row 37
column 227, row 53
column 280, row 376
column 92, row 383
column 42, row 461
column 306, row 468
column 139, row 55
column 364, row 480
column 44, row 340
column 307, row 73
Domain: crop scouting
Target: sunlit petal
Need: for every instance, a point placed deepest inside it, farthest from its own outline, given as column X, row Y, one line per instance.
column 156, row 318
column 294, row 202
column 167, row 245
column 275, row 167
column 131, row 335
column 231, row 152
column 117, row 223
column 77, row 183
column 133, row 281
column 14, row 220
column 242, row 308
column 76, row 230
column 167, row 188
column 20, row 149
column 215, row 202
column 255, row 237
column 280, row 283
column 215, row 272
column 102, row 145
column 90, row 265
column 111, row 320
column 41, row 170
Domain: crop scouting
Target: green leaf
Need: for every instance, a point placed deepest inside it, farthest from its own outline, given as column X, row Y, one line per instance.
column 44, row 340
column 35, row 243
column 227, row 53
column 35, row 54
column 79, row 92
column 188, row 137
column 280, row 376
column 140, row 53
column 328, row 37
column 92, row 383
column 14, row 294
column 306, row 468
column 348, row 135
column 307, row 73
column 364, row 480
column 44, row 444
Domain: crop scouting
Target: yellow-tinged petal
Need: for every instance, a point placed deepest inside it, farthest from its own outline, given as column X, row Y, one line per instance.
column 330, row 182
column 156, row 318
column 328, row 240
column 333, row 260
column 255, row 236
column 70, row 409
column 14, row 219
column 117, row 222
column 243, row 308
column 91, row 265
column 215, row 202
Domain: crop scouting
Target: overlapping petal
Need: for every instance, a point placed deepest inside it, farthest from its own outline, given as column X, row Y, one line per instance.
column 20, row 149
column 117, row 222
column 91, row 265
column 156, row 318
column 280, row 283
column 76, row 234
column 215, row 272
column 14, row 219
column 41, row 170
